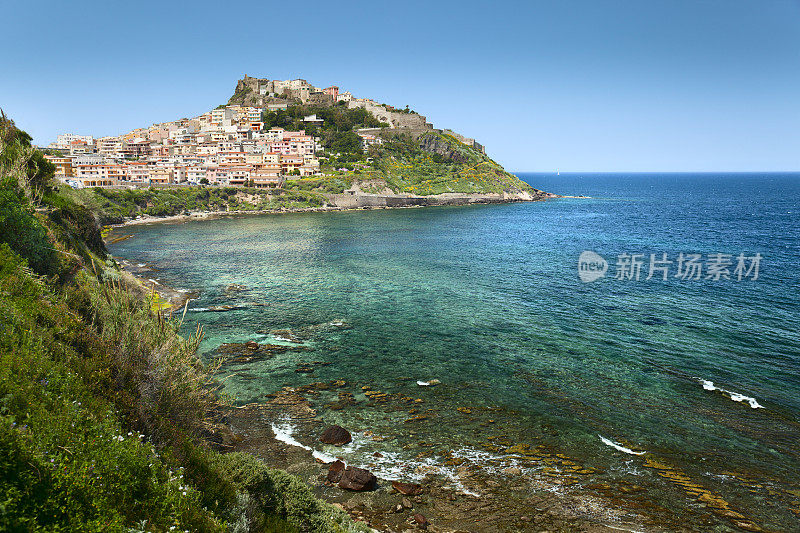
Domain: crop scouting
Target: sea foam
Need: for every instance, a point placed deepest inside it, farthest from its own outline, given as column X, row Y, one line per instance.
column 284, row 433
column 619, row 447
column 735, row 396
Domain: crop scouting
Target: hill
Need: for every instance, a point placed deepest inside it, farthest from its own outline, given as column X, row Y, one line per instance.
column 386, row 149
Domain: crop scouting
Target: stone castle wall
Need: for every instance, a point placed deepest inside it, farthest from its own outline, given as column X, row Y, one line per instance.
column 411, row 121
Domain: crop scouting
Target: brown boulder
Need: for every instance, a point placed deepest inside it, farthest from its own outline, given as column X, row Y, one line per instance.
column 335, row 435
column 357, row 479
column 335, row 471
column 251, row 345
column 408, row 489
column 421, row 521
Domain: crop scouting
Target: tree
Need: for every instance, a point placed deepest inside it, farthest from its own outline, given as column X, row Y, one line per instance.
column 204, row 181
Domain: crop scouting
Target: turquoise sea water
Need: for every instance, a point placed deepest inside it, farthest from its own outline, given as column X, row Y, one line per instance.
column 487, row 299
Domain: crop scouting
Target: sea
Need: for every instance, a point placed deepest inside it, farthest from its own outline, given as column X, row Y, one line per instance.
column 642, row 332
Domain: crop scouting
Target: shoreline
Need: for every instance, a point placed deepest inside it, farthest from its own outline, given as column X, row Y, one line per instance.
column 447, row 201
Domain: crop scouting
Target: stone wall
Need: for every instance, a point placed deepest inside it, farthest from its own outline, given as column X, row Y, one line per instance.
column 393, row 118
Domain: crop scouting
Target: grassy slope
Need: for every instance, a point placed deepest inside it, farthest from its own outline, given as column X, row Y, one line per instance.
column 105, row 411
column 113, row 205
column 406, row 167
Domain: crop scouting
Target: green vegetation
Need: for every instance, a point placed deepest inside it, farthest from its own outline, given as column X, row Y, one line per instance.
column 115, row 205
column 435, row 163
column 337, row 130
column 107, row 417
column 321, row 184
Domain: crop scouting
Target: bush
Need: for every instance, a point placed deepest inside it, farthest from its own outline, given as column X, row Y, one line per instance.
column 23, row 232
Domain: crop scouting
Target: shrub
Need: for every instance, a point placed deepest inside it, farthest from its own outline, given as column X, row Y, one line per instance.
column 23, row 232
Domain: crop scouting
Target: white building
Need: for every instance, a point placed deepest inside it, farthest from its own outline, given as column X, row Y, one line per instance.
column 65, row 140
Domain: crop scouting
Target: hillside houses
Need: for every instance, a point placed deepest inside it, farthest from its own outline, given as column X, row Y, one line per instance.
column 224, row 146
column 229, row 145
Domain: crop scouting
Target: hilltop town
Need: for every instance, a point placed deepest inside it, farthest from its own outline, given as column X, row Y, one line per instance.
column 273, row 134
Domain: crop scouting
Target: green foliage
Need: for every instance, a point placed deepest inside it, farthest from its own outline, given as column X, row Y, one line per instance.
column 344, row 142
column 76, row 223
column 435, row 163
column 24, row 233
column 113, row 206
column 325, row 184
column 335, row 118
column 337, row 130
column 283, row 495
column 21, row 165
column 66, row 463
column 104, row 406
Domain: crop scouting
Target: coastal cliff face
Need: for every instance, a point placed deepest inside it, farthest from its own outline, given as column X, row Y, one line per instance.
column 438, row 145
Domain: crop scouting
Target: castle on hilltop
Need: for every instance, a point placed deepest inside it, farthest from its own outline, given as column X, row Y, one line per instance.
column 263, row 93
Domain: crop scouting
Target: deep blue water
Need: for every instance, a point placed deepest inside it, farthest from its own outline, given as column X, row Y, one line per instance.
column 487, row 299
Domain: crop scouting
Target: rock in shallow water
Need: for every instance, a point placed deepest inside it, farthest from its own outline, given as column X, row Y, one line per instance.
column 421, row 521
column 335, row 471
column 358, row 479
column 335, row 435
column 407, row 489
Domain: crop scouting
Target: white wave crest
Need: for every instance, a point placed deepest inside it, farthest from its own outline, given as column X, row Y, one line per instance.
column 619, row 447
column 284, row 433
column 735, row 396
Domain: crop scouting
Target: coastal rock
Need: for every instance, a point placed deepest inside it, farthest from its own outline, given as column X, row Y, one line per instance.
column 335, row 435
column 407, row 489
column 335, row 471
column 421, row 521
column 234, row 287
column 358, row 479
column 406, row 503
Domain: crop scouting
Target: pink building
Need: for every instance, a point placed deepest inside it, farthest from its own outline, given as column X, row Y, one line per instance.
column 333, row 91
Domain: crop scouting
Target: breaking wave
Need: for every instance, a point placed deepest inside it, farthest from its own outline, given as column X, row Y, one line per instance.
column 619, row 447
column 284, row 433
column 735, row 396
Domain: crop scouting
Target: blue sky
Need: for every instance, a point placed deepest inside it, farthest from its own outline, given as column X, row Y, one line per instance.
column 595, row 85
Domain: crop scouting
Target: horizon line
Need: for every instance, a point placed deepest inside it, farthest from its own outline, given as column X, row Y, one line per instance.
column 655, row 172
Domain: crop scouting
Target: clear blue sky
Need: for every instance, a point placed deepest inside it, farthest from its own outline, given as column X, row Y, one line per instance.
column 594, row 85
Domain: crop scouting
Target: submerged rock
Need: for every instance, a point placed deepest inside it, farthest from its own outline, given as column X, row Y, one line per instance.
column 421, row 520
column 407, row 489
column 335, row 435
column 234, row 287
column 358, row 479
column 285, row 335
